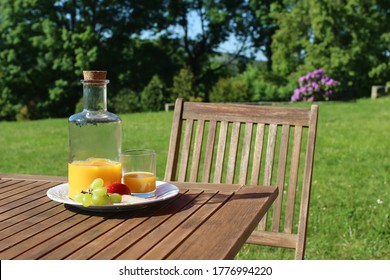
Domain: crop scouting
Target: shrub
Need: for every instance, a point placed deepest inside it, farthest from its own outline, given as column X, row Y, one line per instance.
column 152, row 96
column 265, row 85
column 314, row 86
column 125, row 101
column 230, row 90
column 183, row 85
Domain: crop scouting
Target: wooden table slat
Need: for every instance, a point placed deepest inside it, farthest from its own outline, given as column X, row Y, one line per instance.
column 20, row 222
column 133, row 236
column 154, row 237
column 180, row 234
column 204, row 221
column 111, row 235
column 234, row 222
column 24, row 191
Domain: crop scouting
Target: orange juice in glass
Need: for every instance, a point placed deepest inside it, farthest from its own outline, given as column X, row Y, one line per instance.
column 140, row 182
column 82, row 173
column 139, row 172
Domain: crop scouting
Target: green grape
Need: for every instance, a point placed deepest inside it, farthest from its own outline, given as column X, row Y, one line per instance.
column 78, row 197
column 87, row 200
column 100, row 200
column 100, row 191
column 97, row 183
column 115, row 198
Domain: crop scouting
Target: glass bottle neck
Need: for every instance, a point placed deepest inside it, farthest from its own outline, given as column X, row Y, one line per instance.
column 95, row 95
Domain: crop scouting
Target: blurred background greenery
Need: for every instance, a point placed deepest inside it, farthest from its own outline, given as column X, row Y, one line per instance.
column 155, row 51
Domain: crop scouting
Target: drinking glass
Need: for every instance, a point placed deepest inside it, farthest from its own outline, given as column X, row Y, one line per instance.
column 139, row 171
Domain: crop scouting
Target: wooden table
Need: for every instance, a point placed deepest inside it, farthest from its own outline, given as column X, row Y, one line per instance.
column 204, row 221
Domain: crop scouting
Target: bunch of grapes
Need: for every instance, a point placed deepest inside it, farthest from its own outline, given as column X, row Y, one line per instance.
column 97, row 195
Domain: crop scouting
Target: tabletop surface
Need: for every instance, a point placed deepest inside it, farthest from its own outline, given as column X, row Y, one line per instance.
column 204, row 221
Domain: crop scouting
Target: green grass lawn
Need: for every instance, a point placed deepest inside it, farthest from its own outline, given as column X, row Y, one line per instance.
column 350, row 206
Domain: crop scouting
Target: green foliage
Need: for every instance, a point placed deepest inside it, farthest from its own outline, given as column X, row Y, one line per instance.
column 348, row 39
column 125, row 101
column 79, row 106
column 45, row 46
column 152, row 96
column 230, row 90
column 183, row 85
column 266, row 86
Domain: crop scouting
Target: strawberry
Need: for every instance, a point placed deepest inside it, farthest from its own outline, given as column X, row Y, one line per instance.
column 118, row 188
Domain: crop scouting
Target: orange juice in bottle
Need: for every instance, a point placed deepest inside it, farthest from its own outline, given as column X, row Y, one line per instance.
column 82, row 173
column 95, row 138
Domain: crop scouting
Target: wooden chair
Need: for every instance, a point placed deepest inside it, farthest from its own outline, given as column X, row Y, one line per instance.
column 262, row 146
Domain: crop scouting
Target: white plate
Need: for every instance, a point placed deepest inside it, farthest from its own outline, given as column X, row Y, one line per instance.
column 164, row 191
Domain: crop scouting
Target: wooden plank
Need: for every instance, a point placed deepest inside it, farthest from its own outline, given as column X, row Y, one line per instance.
column 197, row 151
column 174, row 143
column 25, row 203
column 207, row 186
column 292, row 185
column 277, row 239
column 47, row 178
column 185, row 151
column 8, row 185
column 36, row 215
column 118, row 246
column 249, row 204
column 220, row 152
column 113, row 236
column 232, row 159
column 283, row 151
column 209, row 151
column 246, row 113
column 246, row 151
column 157, row 236
column 23, row 191
column 186, row 228
column 306, row 188
column 53, row 239
column 269, row 163
column 257, row 154
column 28, row 238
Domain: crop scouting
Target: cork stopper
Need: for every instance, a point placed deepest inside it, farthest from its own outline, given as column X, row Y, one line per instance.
column 92, row 75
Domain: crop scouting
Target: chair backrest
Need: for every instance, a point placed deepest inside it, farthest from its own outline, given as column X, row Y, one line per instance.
column 252, row 145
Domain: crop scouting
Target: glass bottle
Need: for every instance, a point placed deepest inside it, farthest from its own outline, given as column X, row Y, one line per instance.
column 95, row 137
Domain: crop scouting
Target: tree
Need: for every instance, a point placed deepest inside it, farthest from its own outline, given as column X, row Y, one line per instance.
column 153, row 95
column 45, row 46
column 217, row 20
column 346, row 38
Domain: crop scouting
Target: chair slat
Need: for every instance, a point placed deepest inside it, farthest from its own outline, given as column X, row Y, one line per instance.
column 257, row 154
column 174, row 143
column 232, row 160
column 197, row 151
column 221, row 152
column 220, row 164
column 209, row 152
column 246, row 151
column 186, row 150
column 269, row 163
column 280, row 177
column 292, row 185
column 306, row 188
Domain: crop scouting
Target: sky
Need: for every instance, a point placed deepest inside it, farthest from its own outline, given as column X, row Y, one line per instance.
column 231, row 46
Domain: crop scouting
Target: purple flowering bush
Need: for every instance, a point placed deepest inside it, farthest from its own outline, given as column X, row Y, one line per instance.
column 314, row 86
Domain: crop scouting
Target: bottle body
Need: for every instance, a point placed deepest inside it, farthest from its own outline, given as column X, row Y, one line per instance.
column 95, row 139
